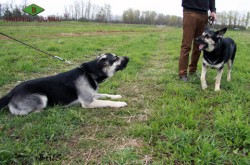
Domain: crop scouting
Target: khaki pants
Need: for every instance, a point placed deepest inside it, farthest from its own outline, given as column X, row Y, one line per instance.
column 193, row 26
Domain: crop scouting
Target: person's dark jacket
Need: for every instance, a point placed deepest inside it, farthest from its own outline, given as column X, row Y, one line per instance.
column 199, row 5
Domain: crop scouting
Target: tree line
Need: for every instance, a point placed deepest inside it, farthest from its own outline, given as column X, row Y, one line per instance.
column 85, row 10
column 233, row 19
column 150, row 17
column 82, row 10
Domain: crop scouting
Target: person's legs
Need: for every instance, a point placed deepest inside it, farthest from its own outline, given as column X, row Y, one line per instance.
column 194, row 59
column 202, row 22
column 189, row 27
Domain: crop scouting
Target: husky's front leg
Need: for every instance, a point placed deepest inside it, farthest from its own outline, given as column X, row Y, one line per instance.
column 218, row 79
column 100, row 96
column 203, row 76
column 104, row 103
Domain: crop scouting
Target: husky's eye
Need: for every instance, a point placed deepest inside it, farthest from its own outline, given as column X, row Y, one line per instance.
column 115, row 58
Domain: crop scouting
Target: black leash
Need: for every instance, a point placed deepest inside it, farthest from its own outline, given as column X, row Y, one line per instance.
column 59, row 58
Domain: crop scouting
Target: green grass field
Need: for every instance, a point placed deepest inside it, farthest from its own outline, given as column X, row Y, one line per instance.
column 166, row 121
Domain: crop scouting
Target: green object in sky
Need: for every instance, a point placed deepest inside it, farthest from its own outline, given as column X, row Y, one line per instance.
column 33, row 9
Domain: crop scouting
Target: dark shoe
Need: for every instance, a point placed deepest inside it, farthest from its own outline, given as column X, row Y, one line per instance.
column 184, row 78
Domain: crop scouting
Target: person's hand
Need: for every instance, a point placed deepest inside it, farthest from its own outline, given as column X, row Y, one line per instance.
column 213, row 14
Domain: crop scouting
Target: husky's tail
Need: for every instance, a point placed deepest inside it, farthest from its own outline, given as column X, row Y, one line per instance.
column 4, row 101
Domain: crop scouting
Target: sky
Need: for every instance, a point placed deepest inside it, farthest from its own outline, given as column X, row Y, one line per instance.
column 168, row 7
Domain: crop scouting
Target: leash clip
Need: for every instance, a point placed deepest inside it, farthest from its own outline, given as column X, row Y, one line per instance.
column 59, row 58
column 211, row 20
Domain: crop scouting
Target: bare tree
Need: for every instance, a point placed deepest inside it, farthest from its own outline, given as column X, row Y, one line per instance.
column 230, row 18
column 7, row 12
column 149, row 17
column 95, row 9
column 107, row 9
column 88, row 10
column 71, row 11
column 82, row 8
column 160, row 19
column 76, row 9
column 101, row 15
column 16, row 12
column 0, row 10
column 25, row 3
column 66, row 13
column 235, row 18
column 131, row 16
column 247, row 19
column 11, row 5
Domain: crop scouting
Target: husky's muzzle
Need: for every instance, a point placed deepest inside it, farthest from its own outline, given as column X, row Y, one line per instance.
column 123, row 65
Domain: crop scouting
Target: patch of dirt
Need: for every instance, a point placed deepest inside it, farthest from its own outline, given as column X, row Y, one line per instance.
column 3, row 37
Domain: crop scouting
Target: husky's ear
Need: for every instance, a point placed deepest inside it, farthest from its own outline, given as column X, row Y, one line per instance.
column 99, row 56
column 102, row 62
column 221, row 32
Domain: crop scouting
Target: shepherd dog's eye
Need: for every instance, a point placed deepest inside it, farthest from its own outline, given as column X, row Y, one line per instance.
column 207, row 36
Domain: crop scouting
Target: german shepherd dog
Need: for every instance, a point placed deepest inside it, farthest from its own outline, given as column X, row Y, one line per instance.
column 216, row 52
column 79, row 85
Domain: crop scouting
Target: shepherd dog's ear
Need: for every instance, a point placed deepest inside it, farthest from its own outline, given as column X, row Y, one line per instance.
column 220, row 33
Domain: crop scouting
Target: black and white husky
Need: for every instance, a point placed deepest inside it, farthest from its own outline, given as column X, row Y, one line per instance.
column 79, row 85
column 216, row 52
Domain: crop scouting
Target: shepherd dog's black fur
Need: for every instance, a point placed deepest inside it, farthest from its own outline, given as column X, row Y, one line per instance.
column 216, row 52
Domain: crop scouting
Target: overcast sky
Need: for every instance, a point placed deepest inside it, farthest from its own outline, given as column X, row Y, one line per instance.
column 170, row 7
